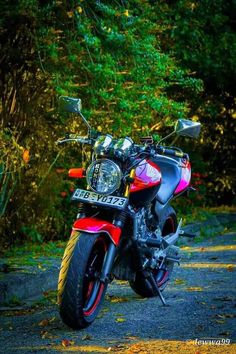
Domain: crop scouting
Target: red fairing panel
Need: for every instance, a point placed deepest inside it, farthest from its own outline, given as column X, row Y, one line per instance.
column 147, row 174
column 94, row 226
column 185, row 178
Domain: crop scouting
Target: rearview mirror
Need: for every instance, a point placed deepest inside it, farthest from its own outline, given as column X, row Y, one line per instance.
column 185, row 127
column 70, row 104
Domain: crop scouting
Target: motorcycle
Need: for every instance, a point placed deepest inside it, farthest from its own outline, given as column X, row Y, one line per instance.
column 125, row 228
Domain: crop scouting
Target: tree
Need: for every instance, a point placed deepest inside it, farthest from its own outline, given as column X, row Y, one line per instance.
column 106, row 53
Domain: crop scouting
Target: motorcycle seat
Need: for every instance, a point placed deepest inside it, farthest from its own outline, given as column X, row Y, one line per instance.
column 171, row 174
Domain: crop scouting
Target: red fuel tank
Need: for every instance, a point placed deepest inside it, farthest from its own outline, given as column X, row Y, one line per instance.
column 146, row 183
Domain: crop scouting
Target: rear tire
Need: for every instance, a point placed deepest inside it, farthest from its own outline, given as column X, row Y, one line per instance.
column 141, row 285
column 80, row 291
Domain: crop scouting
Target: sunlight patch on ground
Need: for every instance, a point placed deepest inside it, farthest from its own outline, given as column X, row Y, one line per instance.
column 69, row 348
column 218, row 248
column 228, row 266
column 171, row 347
column 201, row 346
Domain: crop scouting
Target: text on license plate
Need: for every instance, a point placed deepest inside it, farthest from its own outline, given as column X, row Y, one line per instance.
column 88, row 196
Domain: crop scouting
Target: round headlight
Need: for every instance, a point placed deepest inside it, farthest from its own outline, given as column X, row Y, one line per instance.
column 104, row 176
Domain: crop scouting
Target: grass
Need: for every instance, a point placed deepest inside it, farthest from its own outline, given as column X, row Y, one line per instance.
column 30, row 254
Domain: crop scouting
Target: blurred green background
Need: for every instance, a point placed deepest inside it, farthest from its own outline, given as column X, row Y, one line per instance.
column 138, row 66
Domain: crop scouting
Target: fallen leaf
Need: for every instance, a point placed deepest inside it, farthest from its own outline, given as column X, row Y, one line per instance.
column 220, row 321
column 52, row 319
column 41, row 267
column 194, row 288
column 67, row 342
column 48, row 335
column 179, row 281
column 117, row 299
column 86, row 337
column 230, row 268
column 221, row 316
column 44, row 323
column 120, row 319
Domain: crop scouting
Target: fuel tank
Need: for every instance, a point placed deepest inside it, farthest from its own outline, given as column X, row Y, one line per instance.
column 146, row 183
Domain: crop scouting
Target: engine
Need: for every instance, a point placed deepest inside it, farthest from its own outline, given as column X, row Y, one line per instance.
column 145, row 225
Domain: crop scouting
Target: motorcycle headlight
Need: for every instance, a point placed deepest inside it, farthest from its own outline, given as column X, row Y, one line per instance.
column 104, row 176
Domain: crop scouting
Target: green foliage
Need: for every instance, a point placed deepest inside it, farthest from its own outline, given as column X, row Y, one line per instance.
column 202, row 36
column 120, row 59
column 106, row 53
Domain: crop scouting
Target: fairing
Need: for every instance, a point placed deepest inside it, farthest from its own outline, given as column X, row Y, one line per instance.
column 185, row 178
column 94, row 226
column 147, row 175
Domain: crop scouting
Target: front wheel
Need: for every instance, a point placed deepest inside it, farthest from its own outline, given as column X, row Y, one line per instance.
column 80, row 290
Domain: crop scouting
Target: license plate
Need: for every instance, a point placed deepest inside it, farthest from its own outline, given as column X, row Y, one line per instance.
column 92, row 197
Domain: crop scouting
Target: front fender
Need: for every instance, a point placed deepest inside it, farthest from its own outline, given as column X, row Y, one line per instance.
column 95, row 226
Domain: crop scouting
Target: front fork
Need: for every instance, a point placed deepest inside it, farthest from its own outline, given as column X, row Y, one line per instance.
column 119, row 221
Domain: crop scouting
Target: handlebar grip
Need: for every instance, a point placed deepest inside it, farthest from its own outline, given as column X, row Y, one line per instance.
column 171, row 152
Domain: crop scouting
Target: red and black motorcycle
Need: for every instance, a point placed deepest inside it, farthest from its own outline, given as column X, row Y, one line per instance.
column 125, row 228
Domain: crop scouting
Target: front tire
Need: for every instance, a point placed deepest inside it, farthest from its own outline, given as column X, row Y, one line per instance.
column 80, row 291
column 142, row 285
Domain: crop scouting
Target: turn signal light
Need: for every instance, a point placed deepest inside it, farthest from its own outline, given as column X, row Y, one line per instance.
column 77, row 173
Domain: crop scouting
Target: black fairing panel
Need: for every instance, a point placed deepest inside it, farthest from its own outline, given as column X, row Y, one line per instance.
column 171, row 174
column 143, row 197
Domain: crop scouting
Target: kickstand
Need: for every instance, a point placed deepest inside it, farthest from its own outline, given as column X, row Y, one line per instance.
column 158, row 291
column 162, row 297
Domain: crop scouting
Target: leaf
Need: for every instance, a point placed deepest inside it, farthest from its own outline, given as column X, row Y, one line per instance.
column 66, row 342
column 230, row 268
column 44, row 323
column 120, row 319
column 117, row 299
column 194, row 288
column 70, row 14
column 179, row 281
column 26, row 156
column 48, row 335
column 86, row 337
column 221, row 316
column 220, row 321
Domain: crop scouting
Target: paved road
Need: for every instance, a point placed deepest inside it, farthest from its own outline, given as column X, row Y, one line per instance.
column 201, row 298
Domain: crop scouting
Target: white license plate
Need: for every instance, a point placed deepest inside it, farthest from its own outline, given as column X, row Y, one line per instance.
column 92, row 197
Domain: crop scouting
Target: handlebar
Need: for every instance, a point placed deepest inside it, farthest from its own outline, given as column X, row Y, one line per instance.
column 77, row 139
column 171, row 152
